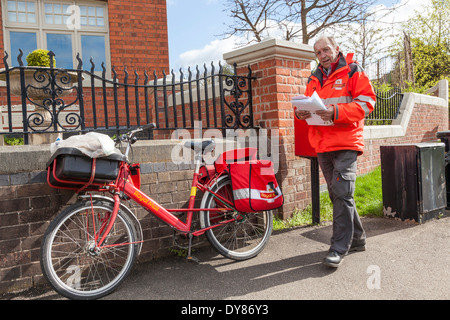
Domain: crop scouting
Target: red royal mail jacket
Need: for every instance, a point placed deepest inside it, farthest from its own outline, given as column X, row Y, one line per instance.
column 348, row 88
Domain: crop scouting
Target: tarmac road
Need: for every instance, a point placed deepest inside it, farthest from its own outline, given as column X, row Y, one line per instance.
column 403, row 261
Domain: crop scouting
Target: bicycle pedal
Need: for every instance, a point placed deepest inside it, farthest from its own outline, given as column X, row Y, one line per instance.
column 193, row 259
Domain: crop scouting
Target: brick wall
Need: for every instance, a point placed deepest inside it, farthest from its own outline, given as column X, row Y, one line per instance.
column 281, row 69
column 420, row 118
column 27, row 204
column 277, row 81
column 138, row 34
column 2, row 49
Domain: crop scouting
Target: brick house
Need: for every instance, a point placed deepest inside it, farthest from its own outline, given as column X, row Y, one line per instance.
column 119, row 35
column 118, row 32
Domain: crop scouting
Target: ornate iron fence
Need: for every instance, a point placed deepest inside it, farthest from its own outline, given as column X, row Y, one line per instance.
column 387, row 107
column 38, row 100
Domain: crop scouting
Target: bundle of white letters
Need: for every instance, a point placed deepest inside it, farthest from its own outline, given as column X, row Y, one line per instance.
column 311, row 104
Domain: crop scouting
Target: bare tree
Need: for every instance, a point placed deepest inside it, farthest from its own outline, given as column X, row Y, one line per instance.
column 364, row 38
column 251, row 17
column 313, row 16
column 298, row 19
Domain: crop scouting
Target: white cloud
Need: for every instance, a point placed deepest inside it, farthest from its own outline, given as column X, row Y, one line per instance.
column 406, row 9
column 212, row 52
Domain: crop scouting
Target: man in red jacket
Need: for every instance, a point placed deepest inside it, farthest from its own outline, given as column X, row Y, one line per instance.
column 346, row 91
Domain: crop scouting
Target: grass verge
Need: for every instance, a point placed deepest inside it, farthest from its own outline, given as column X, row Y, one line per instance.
column 368, row 198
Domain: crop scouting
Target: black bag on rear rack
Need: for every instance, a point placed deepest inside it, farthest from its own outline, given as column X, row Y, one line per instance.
column 69, row 168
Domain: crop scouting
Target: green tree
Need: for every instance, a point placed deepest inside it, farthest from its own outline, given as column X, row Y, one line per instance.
column 431, row 62
column 426, row 42
column 431, row 23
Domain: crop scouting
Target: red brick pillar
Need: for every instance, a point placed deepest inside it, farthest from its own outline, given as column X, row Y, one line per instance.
column 281, row 69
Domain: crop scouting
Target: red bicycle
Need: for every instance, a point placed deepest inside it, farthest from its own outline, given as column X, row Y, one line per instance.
column 90, row 247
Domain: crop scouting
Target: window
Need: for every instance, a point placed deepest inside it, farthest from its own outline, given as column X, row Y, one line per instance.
column 23, row 12
column 64, row 27
column 23, row 40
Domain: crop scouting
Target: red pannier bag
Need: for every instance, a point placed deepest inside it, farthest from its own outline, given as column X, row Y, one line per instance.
column 254, row 185
column 234, row 155
column 206, row 173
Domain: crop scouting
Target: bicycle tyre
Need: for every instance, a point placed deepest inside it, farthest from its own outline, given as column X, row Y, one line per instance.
column 239, row 240
column 71, row 262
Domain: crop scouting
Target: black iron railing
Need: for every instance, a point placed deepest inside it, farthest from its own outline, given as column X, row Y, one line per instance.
column 40, row 100
column 386, row 108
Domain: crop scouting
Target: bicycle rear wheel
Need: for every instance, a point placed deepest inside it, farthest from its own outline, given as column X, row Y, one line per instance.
column 72, row 262
column 241, row 239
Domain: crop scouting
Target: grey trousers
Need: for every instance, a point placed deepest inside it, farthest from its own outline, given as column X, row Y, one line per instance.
column 339, row 170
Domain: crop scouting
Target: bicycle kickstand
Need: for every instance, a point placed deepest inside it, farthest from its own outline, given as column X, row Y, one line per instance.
column 190, row 257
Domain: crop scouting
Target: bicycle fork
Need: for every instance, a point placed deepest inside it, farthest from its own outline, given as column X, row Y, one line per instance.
column 104, row 229
column 111, row 220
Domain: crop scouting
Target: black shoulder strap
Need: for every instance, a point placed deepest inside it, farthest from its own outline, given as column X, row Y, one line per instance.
column 354, row 67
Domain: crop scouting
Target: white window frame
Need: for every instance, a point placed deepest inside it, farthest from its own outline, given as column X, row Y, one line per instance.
column 41, row 28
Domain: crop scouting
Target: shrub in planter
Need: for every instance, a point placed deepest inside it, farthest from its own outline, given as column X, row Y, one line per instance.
column 40, row 58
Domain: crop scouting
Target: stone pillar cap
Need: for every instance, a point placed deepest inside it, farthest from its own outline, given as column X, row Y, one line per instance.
column 270, row 48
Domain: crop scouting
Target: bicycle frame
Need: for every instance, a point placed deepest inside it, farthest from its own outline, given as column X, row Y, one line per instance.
column 90, row 246
column 123, row 187
column 123, row 184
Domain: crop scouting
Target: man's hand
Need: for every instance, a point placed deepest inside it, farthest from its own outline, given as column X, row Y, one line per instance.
column 326, row 115
column 302, row 114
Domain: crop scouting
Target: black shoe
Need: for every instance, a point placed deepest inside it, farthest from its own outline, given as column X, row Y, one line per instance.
column 358, row 245
column 333, row 259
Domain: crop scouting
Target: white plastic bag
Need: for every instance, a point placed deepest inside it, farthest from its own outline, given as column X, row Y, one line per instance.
column 92, row 144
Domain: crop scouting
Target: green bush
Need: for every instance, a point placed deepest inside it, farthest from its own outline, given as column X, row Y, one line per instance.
column 13, row 141
column 39, row 58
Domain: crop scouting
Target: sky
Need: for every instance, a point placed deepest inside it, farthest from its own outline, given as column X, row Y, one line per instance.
column 196, row 30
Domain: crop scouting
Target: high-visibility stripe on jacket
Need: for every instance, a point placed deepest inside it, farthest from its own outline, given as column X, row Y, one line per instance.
column 348, row 88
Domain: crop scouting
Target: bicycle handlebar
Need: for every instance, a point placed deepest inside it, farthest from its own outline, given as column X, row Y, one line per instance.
column 129, row 135
column 145, row 127
column 148, row 126
column 130, row 138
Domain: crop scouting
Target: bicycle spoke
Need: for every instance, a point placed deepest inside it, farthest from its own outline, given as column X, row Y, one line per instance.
column 73, row 262
column 241, row 238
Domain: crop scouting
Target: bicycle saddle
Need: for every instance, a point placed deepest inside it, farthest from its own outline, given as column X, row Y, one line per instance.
column 205, row 146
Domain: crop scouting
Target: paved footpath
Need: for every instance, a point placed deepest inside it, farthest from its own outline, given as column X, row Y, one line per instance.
column 403, row 261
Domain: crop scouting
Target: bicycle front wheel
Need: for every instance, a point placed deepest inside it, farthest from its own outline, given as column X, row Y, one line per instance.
column 244, row 237
column 72, row 261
